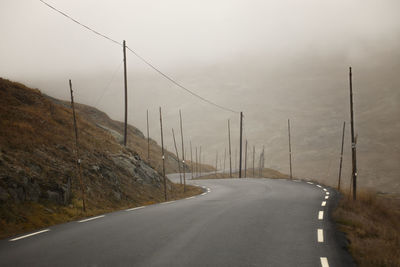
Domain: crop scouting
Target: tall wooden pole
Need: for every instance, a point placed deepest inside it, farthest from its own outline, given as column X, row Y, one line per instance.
column 200, row 161
column 183, row 153
column 240, row 148
column 197, row 160
column 341, row 156
column 353, row 143
column 223, row 169
column 216, row 164
column 191, row 159
column 245, row 160
column 230, row 150
column 254, row 158
column 77, row 159
column 126, row 95
column 163, row 158
column 148, row 137
column 290, row 151
column 177, row 157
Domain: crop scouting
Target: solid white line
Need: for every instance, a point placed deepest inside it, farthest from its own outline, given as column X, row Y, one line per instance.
column 323, row 203
column 309, row 183
column 324, row 262
column 326, row 197
column 190, row 197
column 135, row 208
column 325, row 189
column 93, row 218
column 319, row 186
column 320, row 235
column 24, row 236
column 327, row 193
column 321, row 215
column 168, row 202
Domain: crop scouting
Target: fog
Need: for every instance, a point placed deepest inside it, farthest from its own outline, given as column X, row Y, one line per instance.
column 273, row 60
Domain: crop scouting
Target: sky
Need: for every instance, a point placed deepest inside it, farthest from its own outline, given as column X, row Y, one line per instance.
column 273, row 60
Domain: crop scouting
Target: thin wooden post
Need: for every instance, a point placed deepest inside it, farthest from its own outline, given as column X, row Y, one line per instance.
column 290, row 151
column 254, row 157
column 126, row 96
column 245, row 160
column 148, row 137
column 163, row 158
column 200, row 161
column 191, row 159
column 77, row 159
column 197, row 160
column 353, row 143
column 230, row 150
column 177, row 157
column 341, row 156
column 223, row 170
column 240, row 148
column 183, row 153
column 216, row 165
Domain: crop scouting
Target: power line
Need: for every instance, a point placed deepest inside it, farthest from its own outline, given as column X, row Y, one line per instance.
column 142, row 59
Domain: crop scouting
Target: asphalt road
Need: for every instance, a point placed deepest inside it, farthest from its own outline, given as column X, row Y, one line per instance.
column 239, row 222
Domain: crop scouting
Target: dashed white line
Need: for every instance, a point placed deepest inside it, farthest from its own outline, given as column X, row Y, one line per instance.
column 323, row 204
column 325, row 189
column 324, row 262
column 203, row 194
column 310, row 183
column 326, row 197
column 320, row 234
column 327, row 193
column 190, row 197
column 137, row 208
column 93, row 218
column 321, row 215
column 25, row 236
column 168, row 202
column 319, row 186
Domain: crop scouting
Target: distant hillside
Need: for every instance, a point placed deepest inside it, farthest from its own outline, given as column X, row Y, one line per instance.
column 37, row 162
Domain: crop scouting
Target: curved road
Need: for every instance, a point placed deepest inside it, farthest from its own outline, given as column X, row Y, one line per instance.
column 239, row 222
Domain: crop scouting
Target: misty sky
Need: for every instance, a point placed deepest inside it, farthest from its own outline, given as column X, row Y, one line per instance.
column 271, row 59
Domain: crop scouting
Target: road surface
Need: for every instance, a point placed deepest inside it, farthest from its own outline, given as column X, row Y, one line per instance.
column 236, row 222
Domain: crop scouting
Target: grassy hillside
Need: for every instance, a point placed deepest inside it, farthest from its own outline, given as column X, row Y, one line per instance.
column 37, row 163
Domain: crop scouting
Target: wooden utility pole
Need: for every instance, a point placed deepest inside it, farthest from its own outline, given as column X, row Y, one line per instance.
column 235, row 160
column 223, row 170
column 148, row 137
column 183, row 153
column 216, row 164
column 126, row 95
column 230, row 150
column 163, row 158
column 197, row 160
column 240, row 148
column 77, row 159
column 341, row 156
column 245, row 160
column 353, row 142
column 200, row 161
column 177, row 157
column 290, row 151
column 254, row 157
column 191, row 159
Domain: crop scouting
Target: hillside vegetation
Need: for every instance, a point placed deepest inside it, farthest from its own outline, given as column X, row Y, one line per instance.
column 37, row 163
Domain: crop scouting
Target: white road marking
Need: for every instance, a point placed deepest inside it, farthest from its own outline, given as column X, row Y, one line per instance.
column 326, row 197
column 323, row 203
column 319, row 186
column 93, row 218
column 309, row 183
column 325, row 189
column 203, row 194
column 168, row 202
column 320, row 235
column 321, row 215
column 324, row 262
column 190, row 197
column 135, row 208
column 24, row 236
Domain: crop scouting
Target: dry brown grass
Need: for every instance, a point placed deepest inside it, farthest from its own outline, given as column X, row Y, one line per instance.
column 372, row 225
column 266, row 173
